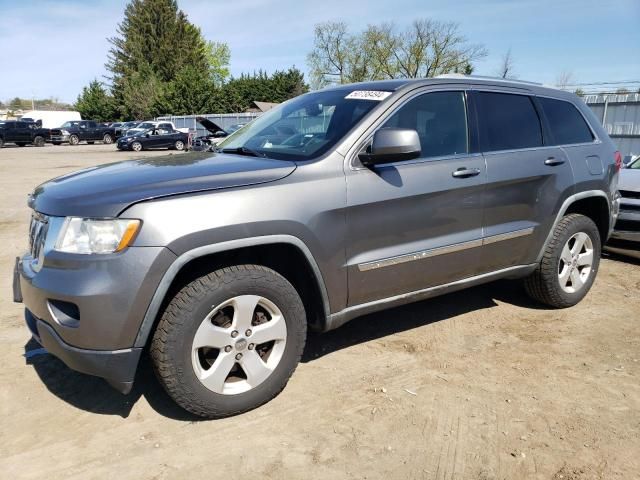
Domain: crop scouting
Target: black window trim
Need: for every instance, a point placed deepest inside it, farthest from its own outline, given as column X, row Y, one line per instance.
column 532, row 98
column 596, row 138
column 472, row 138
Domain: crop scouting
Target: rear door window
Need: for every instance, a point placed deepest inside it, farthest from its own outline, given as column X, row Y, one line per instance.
column 566, row 123
column 507, row 121
column 441, row 122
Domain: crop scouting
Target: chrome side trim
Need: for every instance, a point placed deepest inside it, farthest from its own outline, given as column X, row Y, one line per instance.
column 456, row 247
column 410, row 257
column 507, row 236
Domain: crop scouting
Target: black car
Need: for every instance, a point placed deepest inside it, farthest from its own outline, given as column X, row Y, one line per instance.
column 154, row 138
column 77, row 131
column 22, row 133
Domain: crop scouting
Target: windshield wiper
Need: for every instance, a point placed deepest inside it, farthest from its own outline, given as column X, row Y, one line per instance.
column 244, row 151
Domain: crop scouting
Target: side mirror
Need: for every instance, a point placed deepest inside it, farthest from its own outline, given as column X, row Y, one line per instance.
column 392, row 145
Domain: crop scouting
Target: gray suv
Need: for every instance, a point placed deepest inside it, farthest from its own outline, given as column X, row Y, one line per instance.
column 335, row 204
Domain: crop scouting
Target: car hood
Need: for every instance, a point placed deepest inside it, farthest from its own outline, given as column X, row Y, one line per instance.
column 629, row 179
column 106, row 190
column 209, row 125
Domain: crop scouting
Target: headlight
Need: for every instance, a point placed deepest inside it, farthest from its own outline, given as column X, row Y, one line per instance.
column 86, row 235
column 64, row 132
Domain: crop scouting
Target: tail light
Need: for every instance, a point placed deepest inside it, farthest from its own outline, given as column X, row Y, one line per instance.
column 618, row 159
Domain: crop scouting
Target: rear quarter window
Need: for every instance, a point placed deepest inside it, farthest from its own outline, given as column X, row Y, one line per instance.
column 566, row 123
column 507, row 121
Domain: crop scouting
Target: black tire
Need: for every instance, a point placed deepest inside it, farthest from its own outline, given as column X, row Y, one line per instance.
column 171, row 347
column 38, row 141
column 543, row 284
column 107, row 139
column 1, row 142
column 136, row 146
column 57, row 143
column 74, row 140
column 21, row 144
column 90, row 143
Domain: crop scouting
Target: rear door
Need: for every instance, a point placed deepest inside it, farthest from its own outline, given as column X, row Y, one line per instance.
column 417, row 223
column 527, row 178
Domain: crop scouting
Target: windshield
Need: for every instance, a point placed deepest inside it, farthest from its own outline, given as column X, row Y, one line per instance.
column 635, row 164
column 145, row 125
column 304, row 127
column 70, row 124
column 142, row 133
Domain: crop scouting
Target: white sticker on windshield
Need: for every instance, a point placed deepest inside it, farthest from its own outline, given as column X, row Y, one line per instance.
column 377, row 95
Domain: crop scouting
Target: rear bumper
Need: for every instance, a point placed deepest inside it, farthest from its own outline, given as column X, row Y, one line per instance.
column 117, row 367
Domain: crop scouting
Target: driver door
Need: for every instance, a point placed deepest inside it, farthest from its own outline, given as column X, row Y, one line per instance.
column 418, row 223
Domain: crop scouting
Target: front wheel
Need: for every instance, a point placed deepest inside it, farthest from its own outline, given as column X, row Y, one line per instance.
column 229, row 341
column 569, row 264
column 136, row 146
column 74, row 140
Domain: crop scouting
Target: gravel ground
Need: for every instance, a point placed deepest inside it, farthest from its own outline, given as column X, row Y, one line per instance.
column 482, row 384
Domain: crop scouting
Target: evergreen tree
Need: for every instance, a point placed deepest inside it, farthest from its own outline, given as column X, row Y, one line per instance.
column 95, row 103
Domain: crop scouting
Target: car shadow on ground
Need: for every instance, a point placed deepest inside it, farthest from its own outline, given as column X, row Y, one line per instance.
column 94, row 395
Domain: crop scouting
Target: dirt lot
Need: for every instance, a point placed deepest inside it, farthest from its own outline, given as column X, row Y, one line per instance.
column 482, row 384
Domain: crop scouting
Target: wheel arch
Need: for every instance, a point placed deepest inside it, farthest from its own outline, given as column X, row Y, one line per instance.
column 285, row 254
column 594, row 204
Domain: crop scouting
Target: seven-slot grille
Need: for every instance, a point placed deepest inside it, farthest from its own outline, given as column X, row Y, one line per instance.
column 37, row 234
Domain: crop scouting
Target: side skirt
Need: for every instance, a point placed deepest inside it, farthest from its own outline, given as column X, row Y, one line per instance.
column 338, row 319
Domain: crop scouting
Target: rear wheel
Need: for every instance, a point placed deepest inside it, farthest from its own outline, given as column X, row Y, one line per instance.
column 179, row 145
column 38, row 141
column 74, row 140
column 229, row 341
column 569, row 264
column 136, row 146
column 90, row 143
column 1, row 142
column 20, row 144
column 108, row 139
column 56, row 143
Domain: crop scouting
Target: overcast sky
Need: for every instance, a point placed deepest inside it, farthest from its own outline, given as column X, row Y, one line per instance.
column 54, row 48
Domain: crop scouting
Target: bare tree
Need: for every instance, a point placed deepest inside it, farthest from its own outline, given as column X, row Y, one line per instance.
column 564, row 79
column 506, row 69
column 426, row 49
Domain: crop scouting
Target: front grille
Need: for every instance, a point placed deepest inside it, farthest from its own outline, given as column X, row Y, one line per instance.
column 630, row 194
column 627, row 226
column 37, row 234
column 625, row 207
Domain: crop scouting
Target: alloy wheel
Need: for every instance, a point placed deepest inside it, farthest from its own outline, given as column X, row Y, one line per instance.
column 575, row 264
column 239, row 344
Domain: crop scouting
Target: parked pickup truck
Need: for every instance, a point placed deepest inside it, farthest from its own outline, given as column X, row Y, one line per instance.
column 78, row 131
column 22, row 133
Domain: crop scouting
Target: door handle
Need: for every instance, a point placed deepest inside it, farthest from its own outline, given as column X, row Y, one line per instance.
column 464, row 172
column 552, row 162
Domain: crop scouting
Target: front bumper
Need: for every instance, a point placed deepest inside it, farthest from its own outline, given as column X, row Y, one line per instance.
column 87, row 309
column 627, row 226
column 60, row 138
column 117, row 367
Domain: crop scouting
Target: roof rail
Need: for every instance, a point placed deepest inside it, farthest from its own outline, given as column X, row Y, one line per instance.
column 481, row 77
